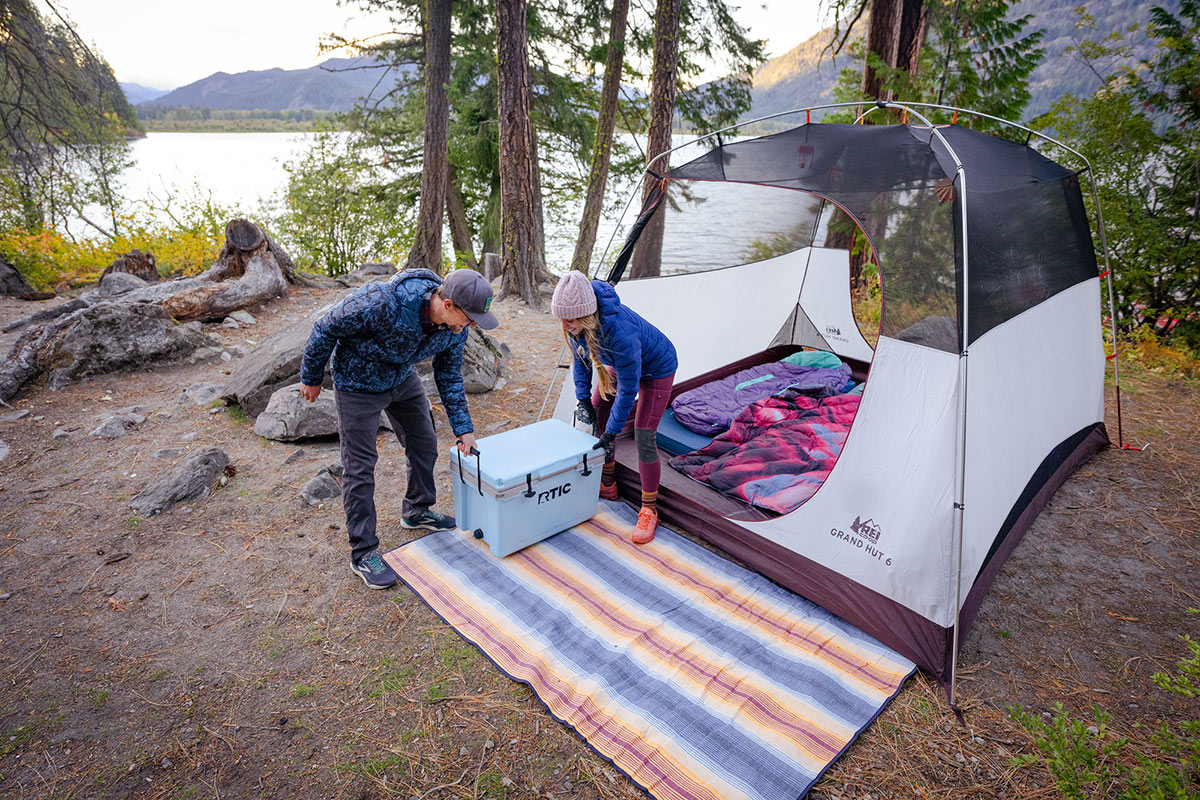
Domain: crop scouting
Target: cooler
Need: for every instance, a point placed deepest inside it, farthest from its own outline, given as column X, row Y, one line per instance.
column 526, row 484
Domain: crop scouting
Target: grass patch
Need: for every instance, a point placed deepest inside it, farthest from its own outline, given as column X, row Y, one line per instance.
column 375, row 766
column 394, row 680
column 491, row 784
column 303, row 690
column 17, row 737
column 459, row 658
column 100, row 697
column 236, row 414
column 435, row 692
column 159, row 674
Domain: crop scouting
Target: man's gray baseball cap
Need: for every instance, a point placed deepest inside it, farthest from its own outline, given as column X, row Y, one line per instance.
column 471, row 292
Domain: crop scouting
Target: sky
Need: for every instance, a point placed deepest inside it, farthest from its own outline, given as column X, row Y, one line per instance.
column 165, row 44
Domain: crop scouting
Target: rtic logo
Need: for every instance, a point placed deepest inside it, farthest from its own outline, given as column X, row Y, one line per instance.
column 551, row 494
column 868, row 530
column 865, row 537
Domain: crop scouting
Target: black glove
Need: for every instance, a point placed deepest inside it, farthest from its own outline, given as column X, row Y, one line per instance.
column 607, row 443
column 585, row 412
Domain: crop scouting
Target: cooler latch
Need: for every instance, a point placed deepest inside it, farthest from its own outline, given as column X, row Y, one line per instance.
column 529, row 484
column 586, row 470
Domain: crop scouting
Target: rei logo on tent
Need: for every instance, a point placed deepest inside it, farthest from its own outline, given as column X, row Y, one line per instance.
column 865, row 538
column 868, row 530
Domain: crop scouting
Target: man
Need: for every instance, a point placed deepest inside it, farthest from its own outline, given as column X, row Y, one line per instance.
column 376, row 336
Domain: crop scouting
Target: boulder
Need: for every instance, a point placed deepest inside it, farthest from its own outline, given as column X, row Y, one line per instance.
column 11, row 282
column 115, row 283
column 366, row 273
column 110, row 337
column 192, row 478
column 288, row 417
column 275, row 363
column 324, row 486
column 200, row 394
column 937, row 332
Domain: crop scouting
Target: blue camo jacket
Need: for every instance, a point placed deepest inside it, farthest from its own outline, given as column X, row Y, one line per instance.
column 376, row 339
column 633, row 347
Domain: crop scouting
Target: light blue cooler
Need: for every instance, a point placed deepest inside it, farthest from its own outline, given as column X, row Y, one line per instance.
column 526, row 484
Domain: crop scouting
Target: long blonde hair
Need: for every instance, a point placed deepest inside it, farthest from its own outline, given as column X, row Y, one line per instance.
column 592, row 337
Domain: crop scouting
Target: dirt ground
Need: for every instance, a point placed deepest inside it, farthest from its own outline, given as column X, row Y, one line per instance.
column 225, row 649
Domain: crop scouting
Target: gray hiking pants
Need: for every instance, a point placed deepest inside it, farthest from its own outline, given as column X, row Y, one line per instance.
column 358, row 425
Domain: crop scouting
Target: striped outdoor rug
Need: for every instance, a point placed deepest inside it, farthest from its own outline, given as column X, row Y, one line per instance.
column 692, row 675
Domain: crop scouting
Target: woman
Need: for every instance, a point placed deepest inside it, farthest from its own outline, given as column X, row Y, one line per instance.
column 633, row 360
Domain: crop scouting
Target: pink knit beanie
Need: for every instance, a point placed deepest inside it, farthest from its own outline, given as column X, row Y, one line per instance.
column 573, row 297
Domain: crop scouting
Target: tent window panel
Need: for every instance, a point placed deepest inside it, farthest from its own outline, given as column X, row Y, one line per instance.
column 1019, row 255
column 913, row 232
column 704, row 225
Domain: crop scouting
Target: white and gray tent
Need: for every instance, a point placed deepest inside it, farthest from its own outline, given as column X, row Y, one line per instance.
column 984, row 388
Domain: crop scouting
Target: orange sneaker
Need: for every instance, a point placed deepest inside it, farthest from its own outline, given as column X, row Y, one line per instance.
column 646, row 525
column 608, row 491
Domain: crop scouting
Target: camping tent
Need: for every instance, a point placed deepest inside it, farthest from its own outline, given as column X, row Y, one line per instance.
column 984, row 384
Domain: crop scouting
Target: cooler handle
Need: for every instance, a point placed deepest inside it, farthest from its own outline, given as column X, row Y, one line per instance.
column 478, row 470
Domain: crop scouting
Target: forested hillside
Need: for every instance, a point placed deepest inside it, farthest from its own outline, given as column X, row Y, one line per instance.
column 334, row 85
column 805, row 75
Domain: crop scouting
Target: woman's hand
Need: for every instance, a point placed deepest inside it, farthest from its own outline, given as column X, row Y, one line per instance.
column 607, row 443
column 585, row 412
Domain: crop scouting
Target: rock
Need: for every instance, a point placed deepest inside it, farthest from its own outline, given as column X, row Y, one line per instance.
column 288, row 417
column 11, row 282
column 15, row 415
column 116, row 283
column 336, row 469
column 169, row 453
column 200, row 394
column 109, row 337
column 193, row 478
column 230, row 322
column 111, row 428
column 60, row 435
column 5, row 450
column 366, row 273
column 940, row 333
column 275, row 363
column 244, row 317
column 295, row 456
column 322, row 487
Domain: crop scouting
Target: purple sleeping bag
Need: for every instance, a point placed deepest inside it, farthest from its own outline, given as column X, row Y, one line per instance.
column 710, row 409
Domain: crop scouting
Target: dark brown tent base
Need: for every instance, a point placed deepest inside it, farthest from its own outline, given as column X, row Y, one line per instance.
column 708, row 515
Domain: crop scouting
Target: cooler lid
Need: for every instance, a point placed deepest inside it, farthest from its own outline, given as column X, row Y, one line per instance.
column 540, row 449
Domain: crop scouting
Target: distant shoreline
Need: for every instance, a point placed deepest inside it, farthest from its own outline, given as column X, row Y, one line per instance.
column 231, row 126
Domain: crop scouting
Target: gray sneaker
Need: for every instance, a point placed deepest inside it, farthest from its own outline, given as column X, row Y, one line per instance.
column 429, row 520
column 375, row 573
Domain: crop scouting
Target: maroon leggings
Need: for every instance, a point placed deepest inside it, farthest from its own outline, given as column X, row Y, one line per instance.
column 653, row 397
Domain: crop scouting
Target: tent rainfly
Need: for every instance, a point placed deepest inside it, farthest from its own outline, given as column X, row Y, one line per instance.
column 984, row 386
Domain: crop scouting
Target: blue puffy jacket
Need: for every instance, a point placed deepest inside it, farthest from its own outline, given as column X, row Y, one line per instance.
column 636, row 349
column 376, row 338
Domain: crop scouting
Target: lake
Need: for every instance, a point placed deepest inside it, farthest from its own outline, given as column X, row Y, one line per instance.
column 244, row 172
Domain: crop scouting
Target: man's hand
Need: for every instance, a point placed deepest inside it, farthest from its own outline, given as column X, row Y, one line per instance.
column 310, row 393
column 466, row 443
column 607, row 443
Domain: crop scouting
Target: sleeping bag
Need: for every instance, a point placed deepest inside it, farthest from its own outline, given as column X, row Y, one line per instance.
column 711, row 408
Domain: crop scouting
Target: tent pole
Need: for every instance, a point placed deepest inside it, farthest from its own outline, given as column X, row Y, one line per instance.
column 1112, row 311
column 960, row 481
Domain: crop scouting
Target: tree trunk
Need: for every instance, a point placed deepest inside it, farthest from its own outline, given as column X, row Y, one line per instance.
column 427, row 247
column 518, row 232
column 648, row 256
column 460, row 229
column 593, row 205
column 895, row 34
